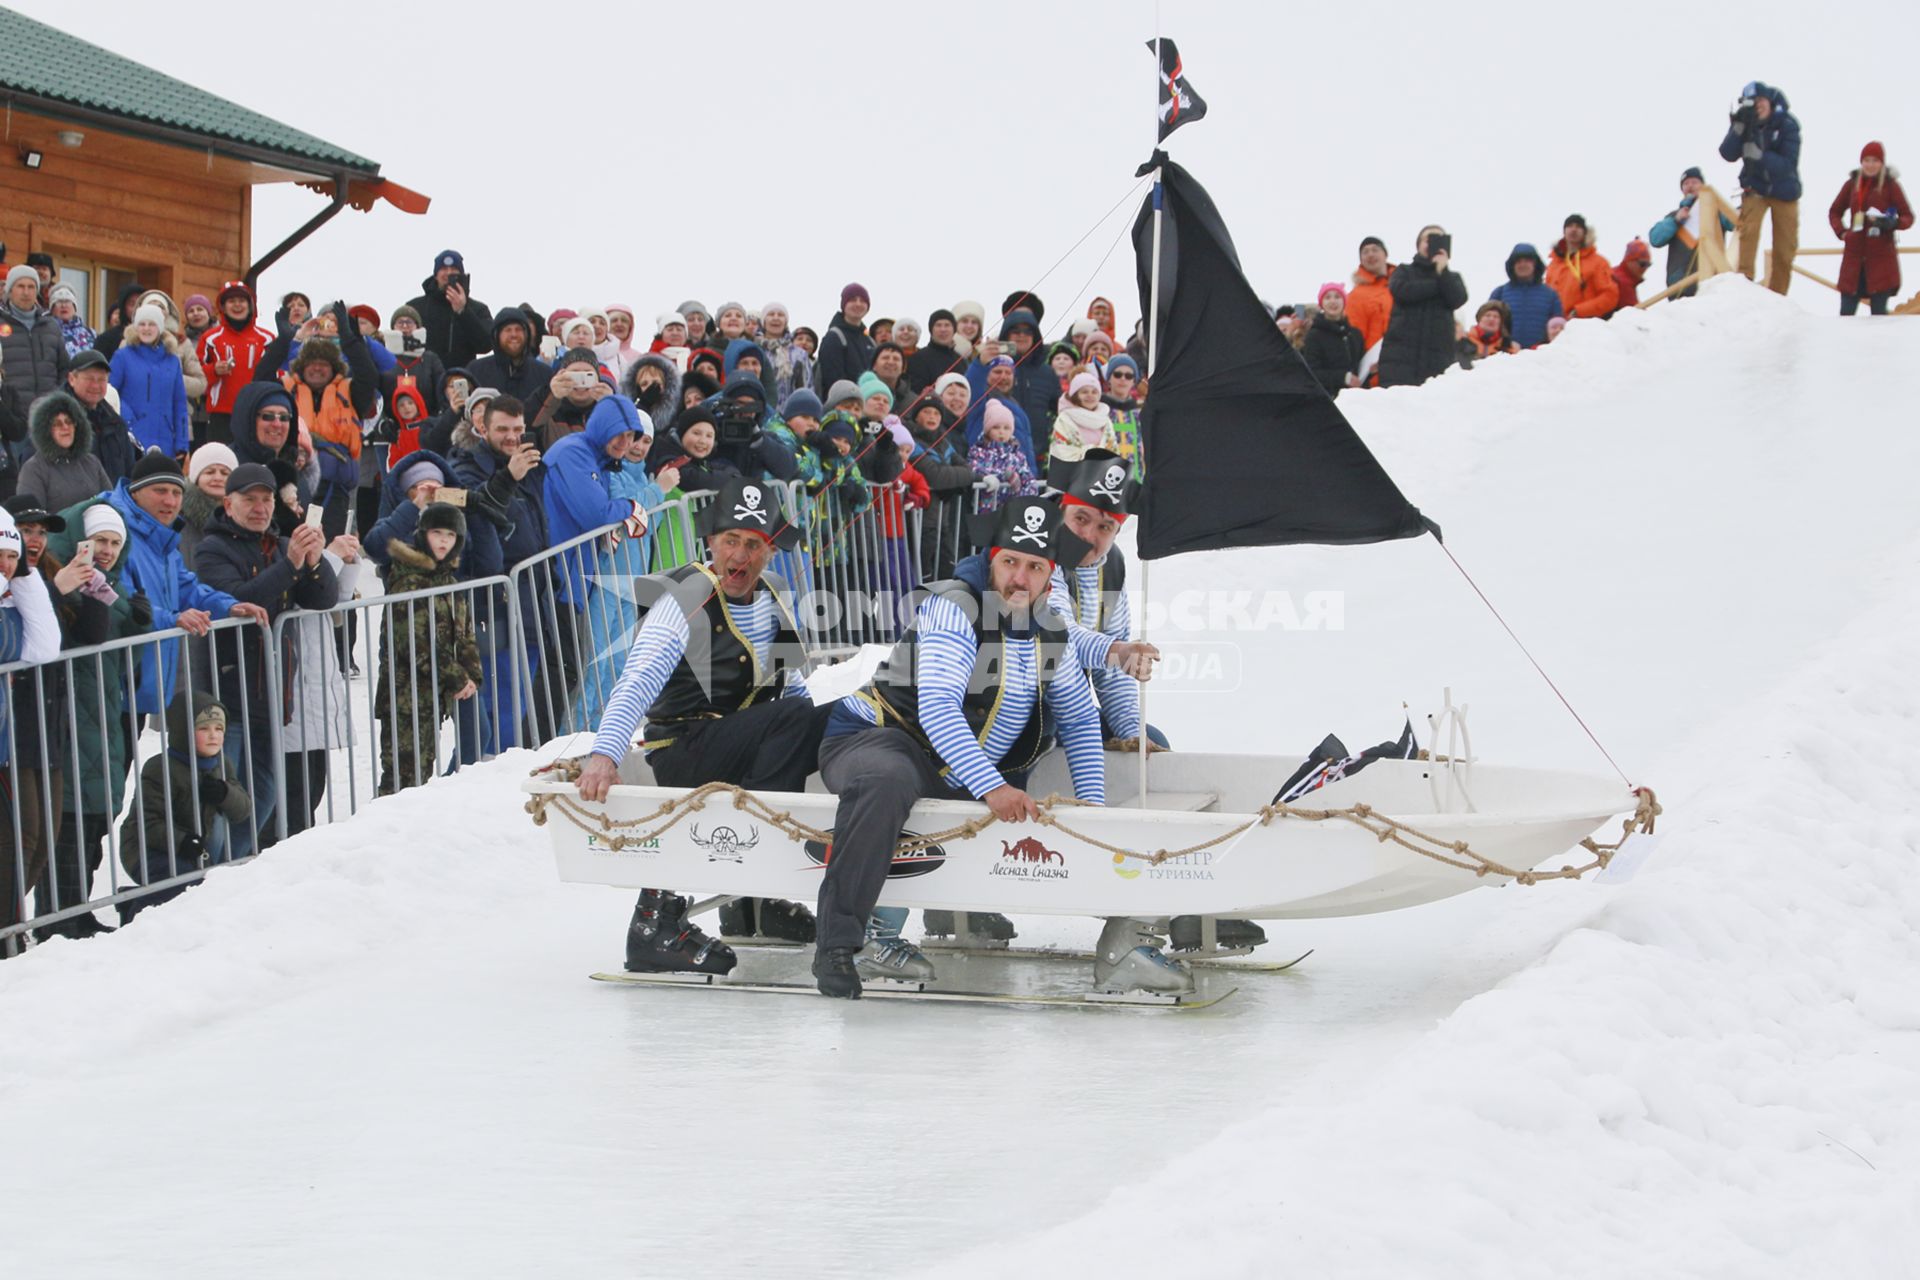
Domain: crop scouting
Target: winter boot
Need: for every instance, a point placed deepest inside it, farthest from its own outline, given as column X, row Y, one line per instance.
column 1230, row 933
column 980, row 924
column 1128, row 958
column 660, row 939
column 834, row 973
column 895, row 958
column 785, row 921
column 736, row 918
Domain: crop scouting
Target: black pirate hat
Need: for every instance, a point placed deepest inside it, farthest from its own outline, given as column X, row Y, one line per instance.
column 1028, row 525
column 1101, row 480
column 749, row 504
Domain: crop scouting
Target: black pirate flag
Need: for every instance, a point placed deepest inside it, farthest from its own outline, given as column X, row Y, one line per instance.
column 1178, row 102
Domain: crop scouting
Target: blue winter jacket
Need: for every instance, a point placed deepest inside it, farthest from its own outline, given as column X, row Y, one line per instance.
column 153, row 396
column 1022, row 427
column 154, row 568
column 1776, row 174
column 1532, row 303
column 578, row 494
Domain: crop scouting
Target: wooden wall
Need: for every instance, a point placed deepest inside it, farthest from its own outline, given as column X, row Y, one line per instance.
column 181, row 217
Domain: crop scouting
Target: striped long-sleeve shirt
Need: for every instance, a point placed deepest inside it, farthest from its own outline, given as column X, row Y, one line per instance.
column 1119, row 692
column 943, row 667
column 658, row 647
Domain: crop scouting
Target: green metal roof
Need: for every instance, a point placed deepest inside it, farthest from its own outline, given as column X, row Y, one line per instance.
column 44, row 62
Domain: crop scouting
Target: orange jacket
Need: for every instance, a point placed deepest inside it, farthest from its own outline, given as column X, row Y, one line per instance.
column 1584, row 282
column 1369, row 305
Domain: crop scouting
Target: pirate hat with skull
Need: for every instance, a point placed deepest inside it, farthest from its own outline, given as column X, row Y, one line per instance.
column 753, row 505
column 1028, row 525
column 1101, row 480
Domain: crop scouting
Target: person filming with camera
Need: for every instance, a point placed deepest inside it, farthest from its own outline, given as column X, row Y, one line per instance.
column 1765, row 138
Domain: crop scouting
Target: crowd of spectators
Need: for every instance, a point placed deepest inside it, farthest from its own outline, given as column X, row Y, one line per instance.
column 196, row 459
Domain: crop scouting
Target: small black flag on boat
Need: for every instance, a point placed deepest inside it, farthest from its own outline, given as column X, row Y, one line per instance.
column 1330, row 763
column 1178, row 102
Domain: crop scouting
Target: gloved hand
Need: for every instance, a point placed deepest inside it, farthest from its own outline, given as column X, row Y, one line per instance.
column 348, row 327
column 141, row 610
column 190, row 851
column 991, row 481
column 1752, row 150
column 213, row 789
column 1733, row 113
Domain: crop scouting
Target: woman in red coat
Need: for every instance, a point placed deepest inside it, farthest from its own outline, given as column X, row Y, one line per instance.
column 1866, row 213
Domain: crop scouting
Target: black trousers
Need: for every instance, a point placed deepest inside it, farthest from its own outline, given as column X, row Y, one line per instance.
column 878, row 774
column 769, row 747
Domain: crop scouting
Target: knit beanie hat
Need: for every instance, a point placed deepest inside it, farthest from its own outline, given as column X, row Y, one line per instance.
column 802, row 404
column 578, row 322
column 10, row 539
column 1081, row 381
column 1875, row 150
column 1123, row 362
column 841, row 392
column 210, row 455
column 405, row 312
column 692, row 305
column 361, row 311
column 1328, row 288
column 211, row 716
column 945, row 380
column 148, row 311
column 847, row 294
column 840, row 429
column 966, row 308
column 898, row 430
column 1372, row 240
column 1574, row 220
column 870, row 385
column 1692, row 171
column 558, row 317
column 938, row 316
column 996, row 414
column 62, row 293
column 19, row 273
column 102, row 518
column 197, row 300
column 424, row 469
column 153, row 468
column 660, row 322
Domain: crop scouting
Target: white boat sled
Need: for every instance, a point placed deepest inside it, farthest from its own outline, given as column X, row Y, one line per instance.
column 1204, row 843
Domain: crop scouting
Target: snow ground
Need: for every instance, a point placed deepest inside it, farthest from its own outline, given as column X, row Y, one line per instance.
column 374, row 1052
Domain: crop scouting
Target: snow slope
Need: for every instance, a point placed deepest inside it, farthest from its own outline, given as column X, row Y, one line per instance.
column 373, row 1051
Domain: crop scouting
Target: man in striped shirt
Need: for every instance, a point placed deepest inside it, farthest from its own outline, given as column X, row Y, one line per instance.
column 955, row 711
column 717, row 672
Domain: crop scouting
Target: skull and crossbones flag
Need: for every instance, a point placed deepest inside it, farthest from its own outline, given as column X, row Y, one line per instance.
column 1178, row 102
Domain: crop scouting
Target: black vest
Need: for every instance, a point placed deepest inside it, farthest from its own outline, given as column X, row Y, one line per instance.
column 895, row 697
column 1111, row 578
column 718, row 673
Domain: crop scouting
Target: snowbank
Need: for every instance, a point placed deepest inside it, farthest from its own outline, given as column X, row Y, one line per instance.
column 1719, row 1073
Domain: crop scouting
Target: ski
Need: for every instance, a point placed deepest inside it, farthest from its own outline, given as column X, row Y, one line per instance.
column 1234, row 959
column 925, row 995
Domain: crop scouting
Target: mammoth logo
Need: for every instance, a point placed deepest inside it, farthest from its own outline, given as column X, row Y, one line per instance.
column 725, row 844
column 916, row 862
column 1028, row 849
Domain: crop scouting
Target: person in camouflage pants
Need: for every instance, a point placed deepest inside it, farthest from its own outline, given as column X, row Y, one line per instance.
column 430, row 650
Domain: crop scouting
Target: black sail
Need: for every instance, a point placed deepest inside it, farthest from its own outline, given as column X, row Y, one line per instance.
column 1243, row 448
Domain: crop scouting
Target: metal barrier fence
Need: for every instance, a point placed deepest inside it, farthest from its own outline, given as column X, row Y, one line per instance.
column 98, row 775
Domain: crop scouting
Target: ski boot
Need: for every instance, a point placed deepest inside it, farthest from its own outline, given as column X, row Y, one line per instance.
column 1128, row 958
column 835, row 975
column 736, row 918
column 986, row 925
column 890, row 956
column 661, row 940
column 784, row 921
column 1230, row 934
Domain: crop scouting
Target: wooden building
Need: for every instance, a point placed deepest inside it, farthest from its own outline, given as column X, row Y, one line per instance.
column 125, row 175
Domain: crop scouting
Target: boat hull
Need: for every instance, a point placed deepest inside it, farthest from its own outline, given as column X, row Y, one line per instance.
column 1286, row 869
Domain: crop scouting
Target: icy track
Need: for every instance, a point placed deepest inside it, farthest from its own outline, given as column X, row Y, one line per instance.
column 375, row 1053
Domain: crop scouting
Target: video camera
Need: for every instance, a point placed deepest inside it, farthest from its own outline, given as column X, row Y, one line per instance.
column 736, row 422
column 1743, row 111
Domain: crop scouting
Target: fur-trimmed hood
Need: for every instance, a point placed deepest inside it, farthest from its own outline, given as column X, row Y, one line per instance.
column 40, row 427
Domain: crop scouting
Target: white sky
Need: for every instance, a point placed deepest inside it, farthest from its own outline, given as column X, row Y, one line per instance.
column 760, row 151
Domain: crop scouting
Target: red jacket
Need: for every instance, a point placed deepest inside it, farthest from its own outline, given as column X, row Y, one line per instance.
column 895, row 499
column 244, row 346
column 1874, row 253
column 1584, row 282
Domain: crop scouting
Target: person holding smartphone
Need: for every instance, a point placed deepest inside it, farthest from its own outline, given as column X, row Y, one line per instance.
column 1419, row 342
column 459, row 326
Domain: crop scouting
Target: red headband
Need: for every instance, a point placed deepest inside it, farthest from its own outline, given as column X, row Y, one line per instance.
column 993, row 553
column 1069, row 500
